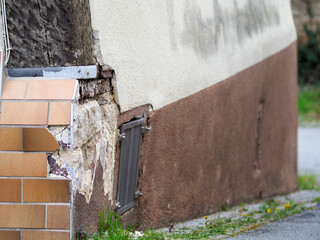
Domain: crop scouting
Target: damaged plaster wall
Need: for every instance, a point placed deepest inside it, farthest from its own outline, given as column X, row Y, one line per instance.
column 95, row 128
column 161, row 46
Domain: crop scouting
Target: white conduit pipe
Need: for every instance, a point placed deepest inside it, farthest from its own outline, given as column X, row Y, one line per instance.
column 5, row 32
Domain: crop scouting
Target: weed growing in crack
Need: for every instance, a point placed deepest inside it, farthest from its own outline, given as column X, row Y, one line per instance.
column 316, row 200
column 111, row 228
column 278, row 212
column 269, row 212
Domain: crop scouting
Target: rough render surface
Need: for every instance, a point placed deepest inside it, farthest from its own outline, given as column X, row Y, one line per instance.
column 191, row 45
column 49, row 33
column 239, row 145
column 86, row 215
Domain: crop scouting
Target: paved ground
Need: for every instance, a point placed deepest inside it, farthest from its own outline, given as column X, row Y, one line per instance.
column 307, row 224
column 298, row 227
column 309, row 150
column 302, row 226
column 304, row 196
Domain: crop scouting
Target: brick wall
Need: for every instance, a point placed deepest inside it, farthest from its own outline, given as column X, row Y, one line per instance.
column 33, row 205
column 49, row 33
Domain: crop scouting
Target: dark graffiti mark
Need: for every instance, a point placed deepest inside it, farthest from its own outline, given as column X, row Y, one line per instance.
column 205, row 35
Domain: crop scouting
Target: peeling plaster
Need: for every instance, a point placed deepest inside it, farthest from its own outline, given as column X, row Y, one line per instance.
column 97, row 49
column 95, row 128
column 55, row 168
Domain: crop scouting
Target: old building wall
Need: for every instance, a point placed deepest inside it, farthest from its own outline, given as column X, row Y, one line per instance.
column 49, row 33
column 91, row 162
column 220, row 78
column 157, row 47
column 232, row 142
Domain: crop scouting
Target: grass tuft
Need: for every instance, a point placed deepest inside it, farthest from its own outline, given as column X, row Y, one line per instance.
column 309, row 104
column 111, row 228
column 224, row 207
column 308, row 182
column 316, row 200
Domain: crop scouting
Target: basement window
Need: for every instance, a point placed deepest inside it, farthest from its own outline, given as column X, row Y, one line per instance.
column 130, row 145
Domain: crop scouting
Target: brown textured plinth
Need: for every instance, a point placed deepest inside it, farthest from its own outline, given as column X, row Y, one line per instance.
column 231, row 142
column 86, row 216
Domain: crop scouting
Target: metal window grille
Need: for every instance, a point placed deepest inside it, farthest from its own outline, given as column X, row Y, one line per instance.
column 130, row 137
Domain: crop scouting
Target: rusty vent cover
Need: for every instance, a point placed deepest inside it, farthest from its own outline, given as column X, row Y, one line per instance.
column 130, row 137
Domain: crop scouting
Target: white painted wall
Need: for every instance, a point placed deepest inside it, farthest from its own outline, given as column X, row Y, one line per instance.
column 165, row 50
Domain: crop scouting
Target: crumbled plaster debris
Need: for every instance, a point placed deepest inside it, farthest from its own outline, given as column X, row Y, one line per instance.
column 55, row 168
column 95, row 128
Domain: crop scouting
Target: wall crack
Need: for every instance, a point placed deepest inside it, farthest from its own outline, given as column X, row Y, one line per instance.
column 259, row 137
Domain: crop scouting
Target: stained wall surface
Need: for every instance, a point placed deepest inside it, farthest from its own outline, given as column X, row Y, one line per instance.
column 219, row 75
column 232, row 142
column 163, row 51
column 49, row 33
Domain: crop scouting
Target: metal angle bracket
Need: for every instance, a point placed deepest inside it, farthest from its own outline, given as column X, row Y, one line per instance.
column 71, row 126
column 117, row 205
column 78, row 72
column 145, row 129
column 122, row 136
column 138, row 194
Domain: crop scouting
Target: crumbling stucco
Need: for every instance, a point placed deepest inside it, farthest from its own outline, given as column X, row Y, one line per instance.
column 95, row 128
column 106, row 71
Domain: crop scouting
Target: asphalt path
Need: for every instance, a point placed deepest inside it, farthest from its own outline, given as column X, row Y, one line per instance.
column 303, row 226
column 309, row 150
column 307, row 224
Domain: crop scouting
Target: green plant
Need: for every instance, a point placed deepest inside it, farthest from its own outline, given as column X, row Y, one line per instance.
column 316, row 200
column 102, row 221
column 272, row 211
column 309, row 104
column 111, row 228
column 309, row 52
column 224, row 207
column 308, row 182
column 151, row 234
